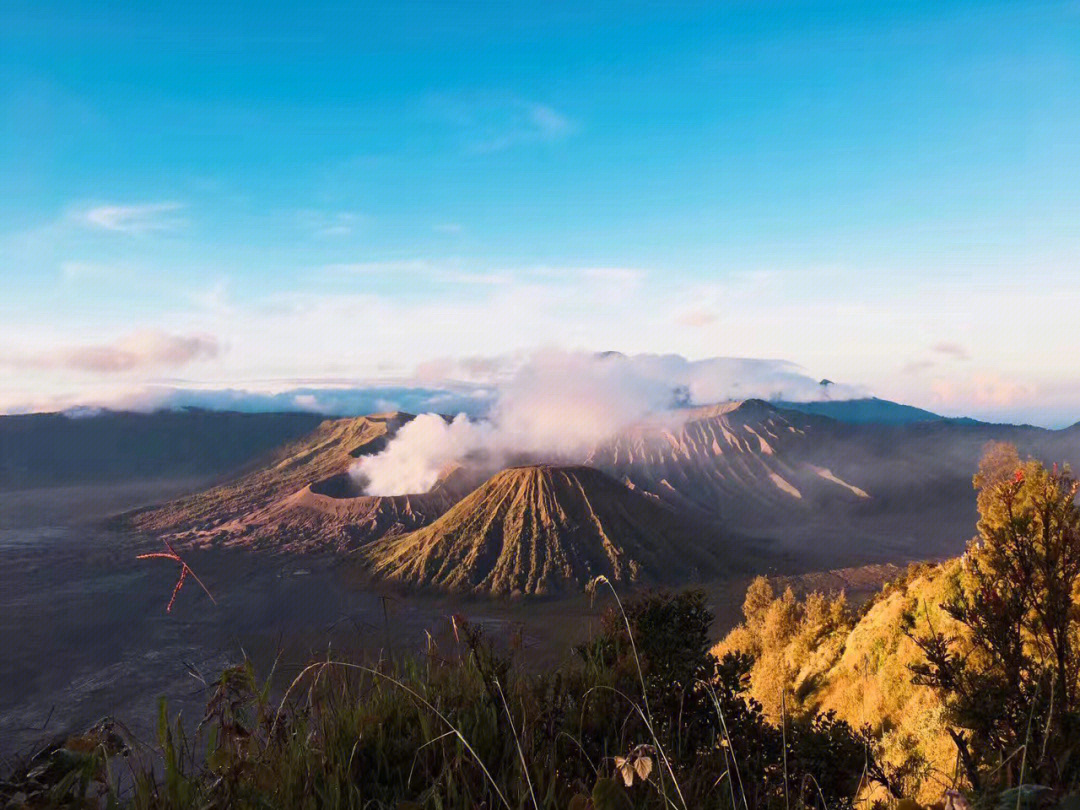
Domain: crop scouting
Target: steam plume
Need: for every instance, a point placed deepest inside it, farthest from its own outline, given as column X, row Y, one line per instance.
column 555, row 405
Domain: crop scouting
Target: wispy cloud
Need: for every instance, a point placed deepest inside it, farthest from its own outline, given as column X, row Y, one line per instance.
column 525, row 122
column 493, row 123
column 613, row 280
column 390, row 267
column 951, row 350
column 332, row 223
column 697, row 318
column 136, row 219
column 618, row 275
column 915, row 367
column 145, row 349
column 983, row 390
column 89, row 271
column 446, row 272
column 548, row 121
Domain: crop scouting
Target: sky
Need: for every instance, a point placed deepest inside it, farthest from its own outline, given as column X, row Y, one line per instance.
column 262, row 198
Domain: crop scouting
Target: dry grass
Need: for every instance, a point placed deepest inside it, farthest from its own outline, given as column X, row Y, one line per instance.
column 643, row 719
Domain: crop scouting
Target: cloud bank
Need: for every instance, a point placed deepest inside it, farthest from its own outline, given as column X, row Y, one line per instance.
column 326, row 399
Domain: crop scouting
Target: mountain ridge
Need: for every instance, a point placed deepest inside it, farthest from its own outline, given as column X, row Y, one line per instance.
column 56, row 449
column 831, row 493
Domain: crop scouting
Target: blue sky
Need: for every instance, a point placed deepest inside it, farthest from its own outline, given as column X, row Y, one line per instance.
column 232, row 195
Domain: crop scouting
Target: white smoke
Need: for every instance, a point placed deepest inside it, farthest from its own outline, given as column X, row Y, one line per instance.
column 555, row 405
column 420, row 451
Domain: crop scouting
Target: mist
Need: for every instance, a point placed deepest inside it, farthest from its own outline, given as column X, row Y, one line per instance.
column 555, row 405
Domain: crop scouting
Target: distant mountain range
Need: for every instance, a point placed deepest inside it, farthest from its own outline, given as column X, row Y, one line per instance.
column 691, row 495
column 742, row 481
column 870, row 410
column 53, row 449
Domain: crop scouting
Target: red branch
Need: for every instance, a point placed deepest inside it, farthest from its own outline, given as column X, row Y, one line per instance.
column 185, row 570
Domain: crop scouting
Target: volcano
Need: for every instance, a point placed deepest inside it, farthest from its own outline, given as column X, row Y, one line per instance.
column 543, row 529
column 300, row 496
column 335, row 514
column 746, row 463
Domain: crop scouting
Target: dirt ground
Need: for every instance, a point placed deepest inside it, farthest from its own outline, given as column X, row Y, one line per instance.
column 84, row 632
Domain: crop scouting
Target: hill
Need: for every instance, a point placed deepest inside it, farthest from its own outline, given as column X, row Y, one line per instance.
column 54, row 449
column 544, row 529
column 856, row 665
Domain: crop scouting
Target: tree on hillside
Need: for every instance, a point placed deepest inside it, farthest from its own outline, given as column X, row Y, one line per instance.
column 782, row 634
column 1010, row 681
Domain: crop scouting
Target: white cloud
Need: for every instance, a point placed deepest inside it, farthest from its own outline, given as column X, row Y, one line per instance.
column 381, row 319
column 556, row 404
column 135, row 219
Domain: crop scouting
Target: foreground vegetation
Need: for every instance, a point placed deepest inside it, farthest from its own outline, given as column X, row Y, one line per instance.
column 968, row 672
column 960, row 681
column 644, row 717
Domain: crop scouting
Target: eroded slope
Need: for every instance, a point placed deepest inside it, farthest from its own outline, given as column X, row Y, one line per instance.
column 544, row 529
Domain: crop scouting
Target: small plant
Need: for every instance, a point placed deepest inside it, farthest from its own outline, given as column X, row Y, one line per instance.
column 185, row 572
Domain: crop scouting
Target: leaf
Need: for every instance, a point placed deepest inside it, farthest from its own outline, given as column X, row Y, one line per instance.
column 624, row 767
column 643, row 766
